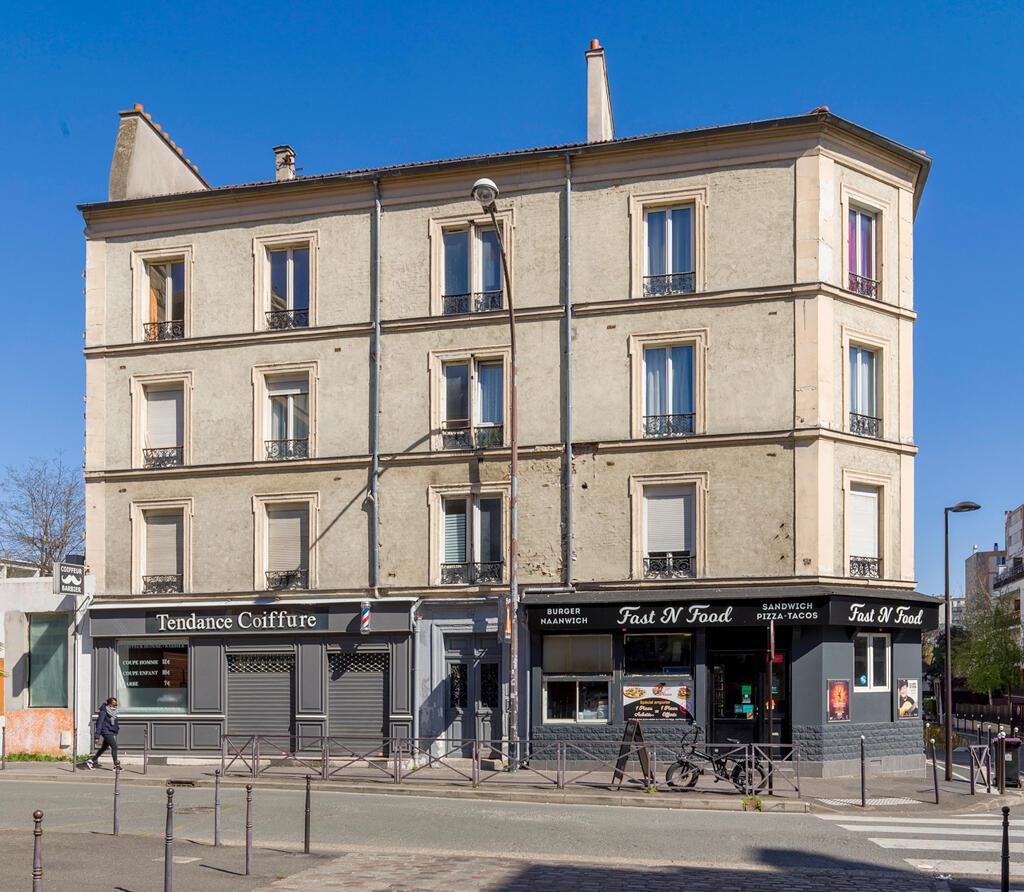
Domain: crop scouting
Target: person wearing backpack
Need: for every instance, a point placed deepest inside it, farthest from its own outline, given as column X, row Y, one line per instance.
column 107, row 727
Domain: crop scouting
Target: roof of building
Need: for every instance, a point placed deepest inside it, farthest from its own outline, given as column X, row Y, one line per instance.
column 820, row 115
column 138, row 107
column 765, row 592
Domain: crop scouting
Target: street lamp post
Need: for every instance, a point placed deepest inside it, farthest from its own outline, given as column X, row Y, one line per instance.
column 485, row 191
column 958, row 508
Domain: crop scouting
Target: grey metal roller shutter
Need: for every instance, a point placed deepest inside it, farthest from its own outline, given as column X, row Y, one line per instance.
column 357, row 698
column 260, row 694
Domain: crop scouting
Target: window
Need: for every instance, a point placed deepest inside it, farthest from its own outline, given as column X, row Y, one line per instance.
column 48, row 659
column 152, row 676
column 863, row 543
column 284, row 411
column 289, row 288
column 668, row 391
column 862, row 249
column 659, row 654
column 568, row 697
column 668, row 525
column 165, row 319
column 669, row 266
column 472, row 550
column 287, row 418
column 284, row 277
column 163, row 567
column 287, row 547
column 871, row 662
column 474, row 397
column 864, row 414
column 472, row 270
column 164, row 425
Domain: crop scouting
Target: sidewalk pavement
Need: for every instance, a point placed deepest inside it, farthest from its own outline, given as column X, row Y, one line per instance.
column 823, row 795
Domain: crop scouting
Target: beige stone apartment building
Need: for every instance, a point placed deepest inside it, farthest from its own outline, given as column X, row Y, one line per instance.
column 297, row 463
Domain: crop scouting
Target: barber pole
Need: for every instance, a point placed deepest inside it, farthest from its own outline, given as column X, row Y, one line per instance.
column 364, row 618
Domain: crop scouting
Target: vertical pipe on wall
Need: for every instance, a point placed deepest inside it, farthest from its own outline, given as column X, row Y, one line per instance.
column 568, row 373
column 375, row 407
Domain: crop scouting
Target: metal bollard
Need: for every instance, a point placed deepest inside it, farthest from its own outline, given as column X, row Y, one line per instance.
column 216, row 808
column 305, row 844
column 145, row 749
column 1001, row 770
column 37, row 852
column 117, row 800
column 3, row 747
column 248, row 829
column 863, row 781
column 1004, row 884
column 169, row 842
column 935, row 772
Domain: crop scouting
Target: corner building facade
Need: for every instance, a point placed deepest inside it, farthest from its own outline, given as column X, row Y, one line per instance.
column 298, row 398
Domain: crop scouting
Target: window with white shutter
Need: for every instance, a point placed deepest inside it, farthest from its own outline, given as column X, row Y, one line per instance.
column 669, row 531
column 863, row 536
column 472, row 544
column 164, row 426
column 164, row 552
column 287, row 556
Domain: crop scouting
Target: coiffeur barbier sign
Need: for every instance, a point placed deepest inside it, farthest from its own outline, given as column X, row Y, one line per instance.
column 837, row 611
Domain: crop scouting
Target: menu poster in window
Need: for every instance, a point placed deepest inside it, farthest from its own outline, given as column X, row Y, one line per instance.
column 154, row 667
column 838, row 692
column 658, row 702
column 907, row 698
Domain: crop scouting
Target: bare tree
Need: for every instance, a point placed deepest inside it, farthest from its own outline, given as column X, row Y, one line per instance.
column 42, row 512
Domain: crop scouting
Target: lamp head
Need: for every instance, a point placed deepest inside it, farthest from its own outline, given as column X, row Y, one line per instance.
column 485, row 191
column 960, row 507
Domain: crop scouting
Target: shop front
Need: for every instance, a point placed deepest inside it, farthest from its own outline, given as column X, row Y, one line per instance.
column 291, row 670
column 720, row 658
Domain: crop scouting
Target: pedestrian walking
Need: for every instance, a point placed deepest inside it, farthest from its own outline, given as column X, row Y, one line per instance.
column 107, row 727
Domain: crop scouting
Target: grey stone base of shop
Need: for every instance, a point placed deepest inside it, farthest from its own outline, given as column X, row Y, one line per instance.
column 834, row 750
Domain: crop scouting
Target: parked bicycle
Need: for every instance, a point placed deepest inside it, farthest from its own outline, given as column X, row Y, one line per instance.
column 687, row 769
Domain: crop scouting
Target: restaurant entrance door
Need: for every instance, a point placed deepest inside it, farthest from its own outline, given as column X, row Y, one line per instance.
column 739, row 697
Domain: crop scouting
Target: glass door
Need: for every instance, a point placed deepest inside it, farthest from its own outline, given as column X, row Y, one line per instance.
column 737, row 682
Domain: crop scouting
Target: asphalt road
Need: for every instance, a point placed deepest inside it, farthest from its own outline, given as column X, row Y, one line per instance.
column 78, row 819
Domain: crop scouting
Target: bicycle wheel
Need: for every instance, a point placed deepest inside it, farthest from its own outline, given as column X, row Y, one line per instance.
column 682, row 774
column 739, row 778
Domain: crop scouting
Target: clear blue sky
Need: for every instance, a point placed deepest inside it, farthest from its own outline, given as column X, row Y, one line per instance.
column 367, row 85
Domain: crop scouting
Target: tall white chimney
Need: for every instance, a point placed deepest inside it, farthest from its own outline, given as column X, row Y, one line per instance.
column 600, row 125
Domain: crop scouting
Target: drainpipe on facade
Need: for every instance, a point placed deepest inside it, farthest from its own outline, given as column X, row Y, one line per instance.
column 375, row 424
column 568, row 374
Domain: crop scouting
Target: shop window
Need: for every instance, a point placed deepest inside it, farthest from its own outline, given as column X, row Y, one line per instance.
column 659, row 654
column 577, row 699
column 871, row 663
column 152, row 676
column 48, row 659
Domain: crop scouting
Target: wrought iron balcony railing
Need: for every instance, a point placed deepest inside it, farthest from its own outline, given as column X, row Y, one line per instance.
column 472, row 573
column 458, row 435
column 1011, row 575
column 668, row 425
column 165, row 457
column 667, row 565
column 171, row 330
column 865, row 567
column 673, row 283
column 284, row 580
column 284, row 450
column 281, row 319
column 475, row 302
column 165, row 584
column 865, row 425
column 863, row 285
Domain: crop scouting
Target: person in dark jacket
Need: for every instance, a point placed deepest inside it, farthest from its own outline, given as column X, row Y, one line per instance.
column 107, row 727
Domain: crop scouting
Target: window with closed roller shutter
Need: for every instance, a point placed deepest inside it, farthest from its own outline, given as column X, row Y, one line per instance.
column 261, row 696
column 357, row 696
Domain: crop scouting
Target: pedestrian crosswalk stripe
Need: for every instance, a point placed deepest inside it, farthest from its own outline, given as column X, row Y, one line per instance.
column 977, row 820
column 963, row 845
column 948, row 831
column 893, row 800
column 963, row 868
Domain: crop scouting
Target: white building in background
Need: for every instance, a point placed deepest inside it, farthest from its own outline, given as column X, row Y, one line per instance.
column 38, row 661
